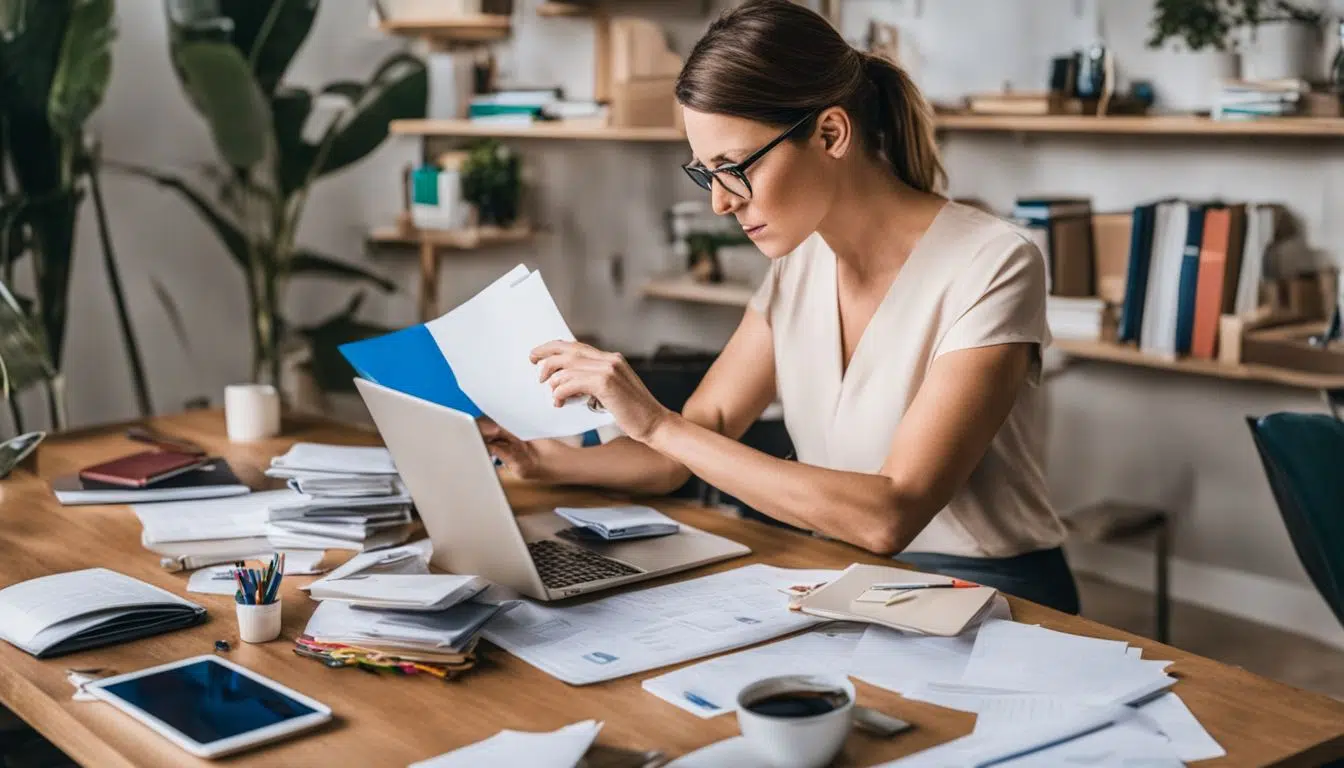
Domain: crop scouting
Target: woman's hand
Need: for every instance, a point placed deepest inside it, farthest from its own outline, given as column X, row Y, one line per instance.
column 578, row 370
column 524, row 459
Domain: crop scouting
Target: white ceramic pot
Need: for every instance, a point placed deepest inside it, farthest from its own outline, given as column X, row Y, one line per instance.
column 1281, row 49
column 1189, row 82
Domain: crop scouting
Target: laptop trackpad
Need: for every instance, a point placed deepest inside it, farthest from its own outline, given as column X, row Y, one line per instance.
column 652, row 554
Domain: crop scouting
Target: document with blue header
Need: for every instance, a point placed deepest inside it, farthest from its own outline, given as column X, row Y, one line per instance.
column 476, row 359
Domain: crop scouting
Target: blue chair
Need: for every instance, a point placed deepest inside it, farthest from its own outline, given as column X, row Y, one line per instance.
column 1303, row 455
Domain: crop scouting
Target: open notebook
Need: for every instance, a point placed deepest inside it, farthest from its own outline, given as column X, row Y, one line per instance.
column 73, row 611
column 941, row 612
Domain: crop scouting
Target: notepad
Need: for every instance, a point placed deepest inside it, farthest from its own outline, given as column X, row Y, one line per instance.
column 617, row 523
column 77, row 610
column 942, row 612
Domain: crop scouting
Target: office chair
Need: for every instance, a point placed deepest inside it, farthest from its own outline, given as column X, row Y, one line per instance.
column 1303, row 456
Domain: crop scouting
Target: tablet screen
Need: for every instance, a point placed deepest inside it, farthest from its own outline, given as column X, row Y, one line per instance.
column 208, row 701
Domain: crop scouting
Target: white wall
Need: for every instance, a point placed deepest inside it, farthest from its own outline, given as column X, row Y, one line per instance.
column 1145, row 436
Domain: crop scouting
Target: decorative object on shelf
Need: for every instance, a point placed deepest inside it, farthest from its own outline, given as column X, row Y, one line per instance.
column 436, row 198
column 492, row 182
column 697, row 235
column 1280, row 40
column 1197, row 36
column 231, row 64
column 55, row 64
column 643, row 75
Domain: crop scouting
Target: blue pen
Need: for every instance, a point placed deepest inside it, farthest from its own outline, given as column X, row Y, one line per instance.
column 699, row 701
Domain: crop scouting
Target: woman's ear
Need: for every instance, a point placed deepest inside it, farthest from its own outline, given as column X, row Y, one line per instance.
column 836, row 131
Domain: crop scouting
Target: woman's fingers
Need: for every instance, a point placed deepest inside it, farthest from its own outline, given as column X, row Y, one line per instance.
column 575, row 385
column 568, row 361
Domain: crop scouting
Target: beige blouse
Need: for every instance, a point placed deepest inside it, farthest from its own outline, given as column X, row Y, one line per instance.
column 972, row 280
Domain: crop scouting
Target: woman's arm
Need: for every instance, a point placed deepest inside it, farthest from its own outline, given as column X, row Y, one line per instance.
column 962, row 403
column 731, row 396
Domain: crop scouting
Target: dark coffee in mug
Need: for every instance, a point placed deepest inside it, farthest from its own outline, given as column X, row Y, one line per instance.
column 800, row 703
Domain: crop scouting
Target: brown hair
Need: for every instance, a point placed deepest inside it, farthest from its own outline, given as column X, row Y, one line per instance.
column 774, row 61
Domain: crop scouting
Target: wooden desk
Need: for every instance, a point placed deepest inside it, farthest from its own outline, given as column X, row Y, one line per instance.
column 392, row 721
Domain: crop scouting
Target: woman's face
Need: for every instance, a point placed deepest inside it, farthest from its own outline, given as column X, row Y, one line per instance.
column 791, row 185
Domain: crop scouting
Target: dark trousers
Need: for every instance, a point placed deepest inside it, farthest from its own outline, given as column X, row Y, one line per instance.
column 1042, row 576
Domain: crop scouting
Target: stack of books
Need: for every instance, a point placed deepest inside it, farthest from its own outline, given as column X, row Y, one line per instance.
column 345, row 497
column 1078, row 318
column 1253, row 99
column 523, row 106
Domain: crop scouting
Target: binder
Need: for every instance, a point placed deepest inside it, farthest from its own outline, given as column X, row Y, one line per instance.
column 940, row 612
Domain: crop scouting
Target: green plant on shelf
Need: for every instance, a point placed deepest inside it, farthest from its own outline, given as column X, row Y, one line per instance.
column 491, row 181
column 1208, row 24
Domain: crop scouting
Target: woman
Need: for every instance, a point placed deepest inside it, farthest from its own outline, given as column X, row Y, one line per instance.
column 901, row 332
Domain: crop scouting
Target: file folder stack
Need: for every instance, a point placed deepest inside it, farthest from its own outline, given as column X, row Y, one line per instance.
column 345, row 497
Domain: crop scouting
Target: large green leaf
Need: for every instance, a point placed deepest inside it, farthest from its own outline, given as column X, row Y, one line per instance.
column 84, row 69
column 23, row 353
column 231, row 101
column 269, row 33
column 398, row 91
column 233, row 238
column 290, row 108
column 311, row 263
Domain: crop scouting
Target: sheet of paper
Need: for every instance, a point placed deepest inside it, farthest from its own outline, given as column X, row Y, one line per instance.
column 215, row 580
column 1013, row 711
column 301, row 562
column 710, row 688
column 233, row 517
column 1124, row 745
column 902, row 662
column 615, row 518
column 351, row 459
column 495, row 369
column 656, row 627
column 1030, row 659
column 561, row 748
column 412, row 590
column 1188, row 738
column 29, row 607
column 408, row 558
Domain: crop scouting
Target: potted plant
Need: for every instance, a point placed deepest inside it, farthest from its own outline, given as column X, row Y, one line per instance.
column 1197, row 35
column 231, row 56
column 1280, row 40
column 491, row 181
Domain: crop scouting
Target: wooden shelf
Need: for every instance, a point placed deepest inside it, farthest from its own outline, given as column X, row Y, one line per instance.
column 457, row 239
column 1129, row 355
column 1155, row 125
column 557, row 9
column 683, row 288
column 1284, row 127
column 470, row 29
column 551, row 129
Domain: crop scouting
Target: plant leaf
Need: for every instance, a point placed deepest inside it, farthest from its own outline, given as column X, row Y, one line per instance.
column 308, row 262
column 84, row 68
column 233, row 238
column 23, row 352
column 271, row 56
column 174, row 313
column 231, row 101
column 398, row 90
column 290, row 108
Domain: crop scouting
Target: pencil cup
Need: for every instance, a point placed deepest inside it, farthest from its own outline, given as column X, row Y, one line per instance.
column 251, row 412
column 258, row 623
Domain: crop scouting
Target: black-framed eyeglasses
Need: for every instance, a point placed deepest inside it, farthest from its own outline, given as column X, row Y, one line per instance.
column 733, row 176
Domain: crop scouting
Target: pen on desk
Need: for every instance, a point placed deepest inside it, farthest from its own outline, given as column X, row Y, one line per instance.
column 699, row 701
column 953, row 584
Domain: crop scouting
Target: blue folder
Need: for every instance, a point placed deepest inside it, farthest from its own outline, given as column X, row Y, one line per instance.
column 409, row 361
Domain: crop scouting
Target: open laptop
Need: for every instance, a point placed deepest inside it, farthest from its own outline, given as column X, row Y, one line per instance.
column 442, row 458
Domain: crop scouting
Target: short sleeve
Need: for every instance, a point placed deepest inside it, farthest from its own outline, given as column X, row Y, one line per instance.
column 1003, row 299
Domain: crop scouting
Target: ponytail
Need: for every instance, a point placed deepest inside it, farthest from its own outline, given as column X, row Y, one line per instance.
column 904, row 130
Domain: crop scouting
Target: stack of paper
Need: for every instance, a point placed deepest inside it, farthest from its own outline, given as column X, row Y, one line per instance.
column 616, row 523
column 199, row 533
column 450, row 631
column 476, row 359
column 315, row 460
column 419, row 592
column 340, row 522
column 410, row 558
column 642, row 630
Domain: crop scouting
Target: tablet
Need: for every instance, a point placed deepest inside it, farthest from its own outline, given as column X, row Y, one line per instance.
column 210, row 706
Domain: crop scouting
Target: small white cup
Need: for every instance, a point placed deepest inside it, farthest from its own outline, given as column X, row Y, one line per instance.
column 251, row 412
column 796, row 742
column 258, row 623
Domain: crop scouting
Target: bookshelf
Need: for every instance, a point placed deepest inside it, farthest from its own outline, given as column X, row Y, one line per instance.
column 480, row 28
column 432, row 244
column 1120, row 125
column 683, row 288
column 1124, row 354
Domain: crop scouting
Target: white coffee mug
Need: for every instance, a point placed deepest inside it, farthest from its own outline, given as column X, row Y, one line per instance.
column 810, row 741
column 251, row 411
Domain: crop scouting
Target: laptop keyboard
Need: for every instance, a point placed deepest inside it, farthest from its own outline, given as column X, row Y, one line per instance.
column 563, row 565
